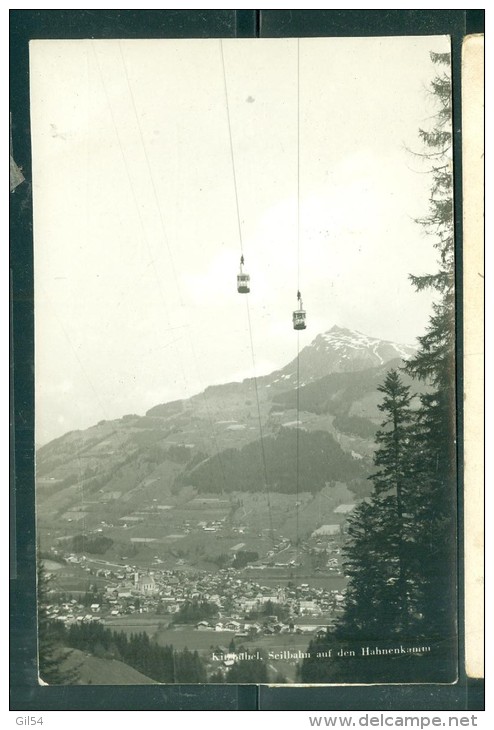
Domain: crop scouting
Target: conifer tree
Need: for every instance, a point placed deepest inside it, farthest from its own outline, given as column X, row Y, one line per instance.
column 51, row 650
column 393, row 482
column 378, row 596
column 401, row 550
column 435, row 466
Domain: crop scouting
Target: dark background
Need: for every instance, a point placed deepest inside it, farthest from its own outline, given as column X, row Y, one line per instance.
column 25, row 25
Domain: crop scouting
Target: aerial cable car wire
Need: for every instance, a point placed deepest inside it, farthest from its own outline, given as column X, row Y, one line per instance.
column 165, row 237
column 298, row 324
column 299, row 315
column 243, row 279
column 243, row 287
column 131, row 184
column 151, row 177
column 263, row 449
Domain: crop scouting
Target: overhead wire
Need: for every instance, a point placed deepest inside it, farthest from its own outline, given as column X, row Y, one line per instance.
column 138, row 207
column 259, row 418
column 263, row 449
column 135, row 200
column 172, row 264
column 151, row 176
column 129, row 178
column 298, row 164
column 134, row 194
column 297, row 450
column 231, row 148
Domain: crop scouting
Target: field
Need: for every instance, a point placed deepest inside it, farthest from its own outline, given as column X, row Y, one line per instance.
column 149, row 623
column 201, row 530
column 278, row 576
column 206, row 641
column 190, row 638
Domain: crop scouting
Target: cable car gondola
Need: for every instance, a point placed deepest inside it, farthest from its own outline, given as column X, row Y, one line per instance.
column 243, row 280
column 299, row 315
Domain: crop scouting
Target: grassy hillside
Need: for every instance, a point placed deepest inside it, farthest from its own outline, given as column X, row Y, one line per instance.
column 320, row 460
column 93, row 670
column 338, row 393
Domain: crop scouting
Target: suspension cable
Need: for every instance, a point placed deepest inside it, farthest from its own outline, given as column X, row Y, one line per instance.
column 231, row 147
column 297, row 453
column 263, row 450
column 165, row 237
column 298, row 164
column 297, row 450
column 261, row 435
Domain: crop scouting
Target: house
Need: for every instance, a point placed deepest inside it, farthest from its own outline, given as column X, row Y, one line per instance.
column 124, row 594
column 221, row 649
column 232, row 626
column 344, row 509
column 203, row 626
column 95, row 607
column 253, row 628
column 322, row 631
column 309, row 607
column 248, row 604
column 275, row 598
column 326, row 530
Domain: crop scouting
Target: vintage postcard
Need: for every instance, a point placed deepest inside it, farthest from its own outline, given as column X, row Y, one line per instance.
column 245, row 361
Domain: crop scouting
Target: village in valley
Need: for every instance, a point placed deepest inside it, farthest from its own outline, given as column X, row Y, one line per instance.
column 144, row 531
column 277, row 602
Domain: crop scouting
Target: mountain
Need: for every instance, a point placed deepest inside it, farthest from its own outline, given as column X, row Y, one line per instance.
column 336, row 351
column 208, row 452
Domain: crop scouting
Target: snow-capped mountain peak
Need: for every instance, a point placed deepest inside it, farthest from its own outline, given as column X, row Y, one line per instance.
column 341, row 350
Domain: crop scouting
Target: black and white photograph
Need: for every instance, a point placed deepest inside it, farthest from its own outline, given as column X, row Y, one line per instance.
column 244, row 275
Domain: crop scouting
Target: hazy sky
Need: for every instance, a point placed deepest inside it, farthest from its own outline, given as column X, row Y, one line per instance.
column 136, row 233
